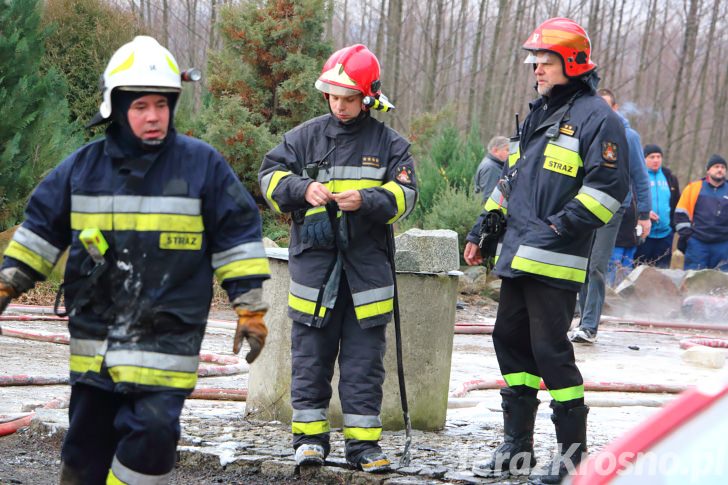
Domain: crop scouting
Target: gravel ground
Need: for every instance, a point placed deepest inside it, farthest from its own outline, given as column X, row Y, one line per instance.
column 219, row 445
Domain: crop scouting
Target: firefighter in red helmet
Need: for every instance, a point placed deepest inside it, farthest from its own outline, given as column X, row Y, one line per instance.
column 344, row 177
column 566, row 175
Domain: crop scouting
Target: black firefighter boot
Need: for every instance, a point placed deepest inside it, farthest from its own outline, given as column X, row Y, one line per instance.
column 515, row 455
column 570, row 424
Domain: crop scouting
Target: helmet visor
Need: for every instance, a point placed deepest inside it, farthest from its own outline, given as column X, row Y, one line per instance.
column 540, row 57
column 334, row 89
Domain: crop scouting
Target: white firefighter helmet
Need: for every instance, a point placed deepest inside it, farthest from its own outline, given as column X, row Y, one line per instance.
column 140, row 65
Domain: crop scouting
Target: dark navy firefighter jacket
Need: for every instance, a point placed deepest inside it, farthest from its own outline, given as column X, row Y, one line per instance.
column 367, row 156
column 575, row 180
column 170, row 224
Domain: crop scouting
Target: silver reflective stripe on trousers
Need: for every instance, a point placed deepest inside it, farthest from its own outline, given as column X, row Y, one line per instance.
column 362, row 421
column 309, row 415
column 129, row 476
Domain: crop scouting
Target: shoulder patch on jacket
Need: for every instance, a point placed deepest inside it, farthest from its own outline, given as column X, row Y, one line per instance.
column 404, row 175
column 609, row 154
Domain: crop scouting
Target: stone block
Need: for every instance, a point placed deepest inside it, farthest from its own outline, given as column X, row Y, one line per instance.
column 705, row 356
column 705, row 282
column 648, row 291
column 432, row 251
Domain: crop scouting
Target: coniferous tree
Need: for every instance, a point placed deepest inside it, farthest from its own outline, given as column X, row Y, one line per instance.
column 34, row 130
column 262, row 81
column 84, row 35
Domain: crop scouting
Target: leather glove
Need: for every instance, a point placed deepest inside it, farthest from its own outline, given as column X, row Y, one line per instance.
column 317, row 230
column 7, row 293
column 253, row 329
column 682, row 243
column 491, row 229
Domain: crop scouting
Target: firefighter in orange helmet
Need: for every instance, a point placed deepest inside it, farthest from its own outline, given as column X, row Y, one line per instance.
column 345, row 177
column 566, row 175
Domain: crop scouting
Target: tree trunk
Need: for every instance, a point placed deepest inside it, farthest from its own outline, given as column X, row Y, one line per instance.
column 685, row 68
column 434, row 61
column 474, row 62
column 702, row 101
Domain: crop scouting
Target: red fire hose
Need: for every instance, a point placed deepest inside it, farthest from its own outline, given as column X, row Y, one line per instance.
column 482, row 384
column 10, row 427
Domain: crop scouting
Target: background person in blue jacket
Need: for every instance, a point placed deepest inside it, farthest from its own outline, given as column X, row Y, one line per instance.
column 172, row 213
column 591, row 295
column 566, row 176
column 665, row 189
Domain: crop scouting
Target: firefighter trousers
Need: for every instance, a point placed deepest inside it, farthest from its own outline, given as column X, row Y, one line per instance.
column 125, row 438
column 361, row 375
column 530, row 339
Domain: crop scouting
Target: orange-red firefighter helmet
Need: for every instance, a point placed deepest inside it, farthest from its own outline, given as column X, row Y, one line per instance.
column 566, row 38
column 351, row 70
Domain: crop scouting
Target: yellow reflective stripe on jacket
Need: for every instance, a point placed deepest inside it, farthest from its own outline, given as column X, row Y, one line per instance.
column 31, row 258
column 370, row 303
column 496, row 201
column 247, row 259
column 568, row 393
column 269, row 183
column 152, row 368
column 522, row 379
column 565, row 149
column 86, row 355
column 550, row 263
column 304, row 306
column 153, row 377
column 137, row 222
column 599, row 203
column 514, row 152
column 84, row 363
column 310, row 428
column 363, row 434
column 374, row 309
column 340, row 185
column 242, row 268
column 399, row 197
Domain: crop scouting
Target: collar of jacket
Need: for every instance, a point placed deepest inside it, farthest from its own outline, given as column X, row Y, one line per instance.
column 559, row 95
column 335, row 127
column 491, row 157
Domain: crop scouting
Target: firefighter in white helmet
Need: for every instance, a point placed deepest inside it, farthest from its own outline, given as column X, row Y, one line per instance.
column 148, row 216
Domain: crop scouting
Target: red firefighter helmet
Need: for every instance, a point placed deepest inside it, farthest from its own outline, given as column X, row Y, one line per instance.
column 566, row 38
column 350, row 70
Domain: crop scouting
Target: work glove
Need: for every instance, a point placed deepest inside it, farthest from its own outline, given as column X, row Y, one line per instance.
column 491, row 229
column 7, row 293
column 317, row 230
column 252, row 328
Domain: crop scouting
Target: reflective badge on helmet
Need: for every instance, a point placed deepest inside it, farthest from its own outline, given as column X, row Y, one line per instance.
column 403, row 175
column 609, row 151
